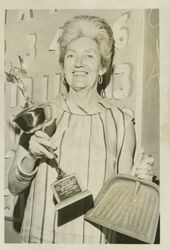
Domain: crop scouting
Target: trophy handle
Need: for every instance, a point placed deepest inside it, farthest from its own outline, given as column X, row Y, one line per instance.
column 61, row 173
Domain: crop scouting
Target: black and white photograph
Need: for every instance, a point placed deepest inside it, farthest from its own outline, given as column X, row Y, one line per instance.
column 82, row 126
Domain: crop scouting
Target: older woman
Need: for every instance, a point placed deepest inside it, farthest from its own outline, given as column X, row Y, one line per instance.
column 90, row 135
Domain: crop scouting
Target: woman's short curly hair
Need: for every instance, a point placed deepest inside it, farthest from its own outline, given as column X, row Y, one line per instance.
column 89, row 26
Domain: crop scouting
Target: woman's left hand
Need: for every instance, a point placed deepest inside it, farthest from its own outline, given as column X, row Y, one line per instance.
column 143, row 168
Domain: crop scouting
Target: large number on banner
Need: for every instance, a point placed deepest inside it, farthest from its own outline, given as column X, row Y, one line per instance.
column 29, row 57
column 120, row 33
column 124, row 71
column 54, row 46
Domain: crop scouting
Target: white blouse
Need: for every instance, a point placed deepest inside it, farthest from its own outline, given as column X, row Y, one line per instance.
column 89, row 144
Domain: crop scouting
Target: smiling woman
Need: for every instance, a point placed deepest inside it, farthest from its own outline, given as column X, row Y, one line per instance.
column 82, row 65
column 90, row 136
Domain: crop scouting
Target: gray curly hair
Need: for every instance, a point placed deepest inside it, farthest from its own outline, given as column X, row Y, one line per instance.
column 89, row 26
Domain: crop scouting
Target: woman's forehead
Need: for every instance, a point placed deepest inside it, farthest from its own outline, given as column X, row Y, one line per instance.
column 83, row 43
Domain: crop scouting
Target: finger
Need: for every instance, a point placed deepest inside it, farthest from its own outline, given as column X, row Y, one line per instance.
column 45, row 142
column 145, row 177
column 144, row 171
column 149, row 160
column 46, row 152
column 37, row 149
column 144, row 166
column 41, row 134
column 55, row 144
column 40, row 150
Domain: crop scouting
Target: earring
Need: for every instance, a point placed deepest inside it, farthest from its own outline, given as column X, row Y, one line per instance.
column 64, row 79
column 103, row 93
column 100, row 80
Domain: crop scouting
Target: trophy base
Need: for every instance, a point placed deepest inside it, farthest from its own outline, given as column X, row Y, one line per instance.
column 68, row 190
column 72, row 200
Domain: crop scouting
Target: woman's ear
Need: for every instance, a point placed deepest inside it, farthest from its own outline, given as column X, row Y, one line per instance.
column 102, row 71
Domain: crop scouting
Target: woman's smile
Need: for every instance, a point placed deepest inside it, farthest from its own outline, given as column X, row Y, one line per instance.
column 80, row 73
column 82, row 64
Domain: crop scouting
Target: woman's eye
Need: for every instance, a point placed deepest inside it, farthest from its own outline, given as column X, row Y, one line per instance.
column 90, row 56
column 70, row 56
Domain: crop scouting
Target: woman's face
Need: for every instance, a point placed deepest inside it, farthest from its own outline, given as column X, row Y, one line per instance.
column 82, row 64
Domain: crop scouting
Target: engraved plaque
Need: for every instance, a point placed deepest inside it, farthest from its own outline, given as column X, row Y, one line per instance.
column 68, row 190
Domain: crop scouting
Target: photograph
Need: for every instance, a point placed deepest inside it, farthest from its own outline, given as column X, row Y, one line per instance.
column 82, row 126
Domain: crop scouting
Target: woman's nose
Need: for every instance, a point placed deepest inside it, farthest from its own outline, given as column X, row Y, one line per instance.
column 78, row 62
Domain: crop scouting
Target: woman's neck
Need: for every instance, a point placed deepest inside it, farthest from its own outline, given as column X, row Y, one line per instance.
column 83, row 97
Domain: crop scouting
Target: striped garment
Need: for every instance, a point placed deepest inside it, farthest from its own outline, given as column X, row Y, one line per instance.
column 89, row 144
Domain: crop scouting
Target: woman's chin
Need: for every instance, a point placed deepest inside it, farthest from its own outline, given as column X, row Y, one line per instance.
column 79, row 89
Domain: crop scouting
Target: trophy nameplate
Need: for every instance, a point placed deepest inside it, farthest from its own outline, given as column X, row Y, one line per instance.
column 68, row 190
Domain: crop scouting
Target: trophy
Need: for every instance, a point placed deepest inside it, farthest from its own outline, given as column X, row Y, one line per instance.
column 34, row 116
column 67, row 189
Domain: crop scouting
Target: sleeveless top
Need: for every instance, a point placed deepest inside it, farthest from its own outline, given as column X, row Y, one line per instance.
column 89, row 144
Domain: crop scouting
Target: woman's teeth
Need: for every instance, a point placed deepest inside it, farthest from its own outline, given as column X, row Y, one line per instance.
column 80, row 73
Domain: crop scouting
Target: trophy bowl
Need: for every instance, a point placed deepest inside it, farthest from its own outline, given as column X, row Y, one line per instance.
column 32, row 117
column 35, row 117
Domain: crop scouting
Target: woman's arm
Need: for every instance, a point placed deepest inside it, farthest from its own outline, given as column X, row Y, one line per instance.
column 22, row 170
column 126, row 159
column 143, row 167
column 15, row 185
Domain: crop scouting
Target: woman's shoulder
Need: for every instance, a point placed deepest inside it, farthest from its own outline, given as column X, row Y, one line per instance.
column 125, row 114
column 113, row 104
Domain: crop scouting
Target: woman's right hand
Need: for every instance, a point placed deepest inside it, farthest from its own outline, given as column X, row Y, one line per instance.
column 40, row 145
